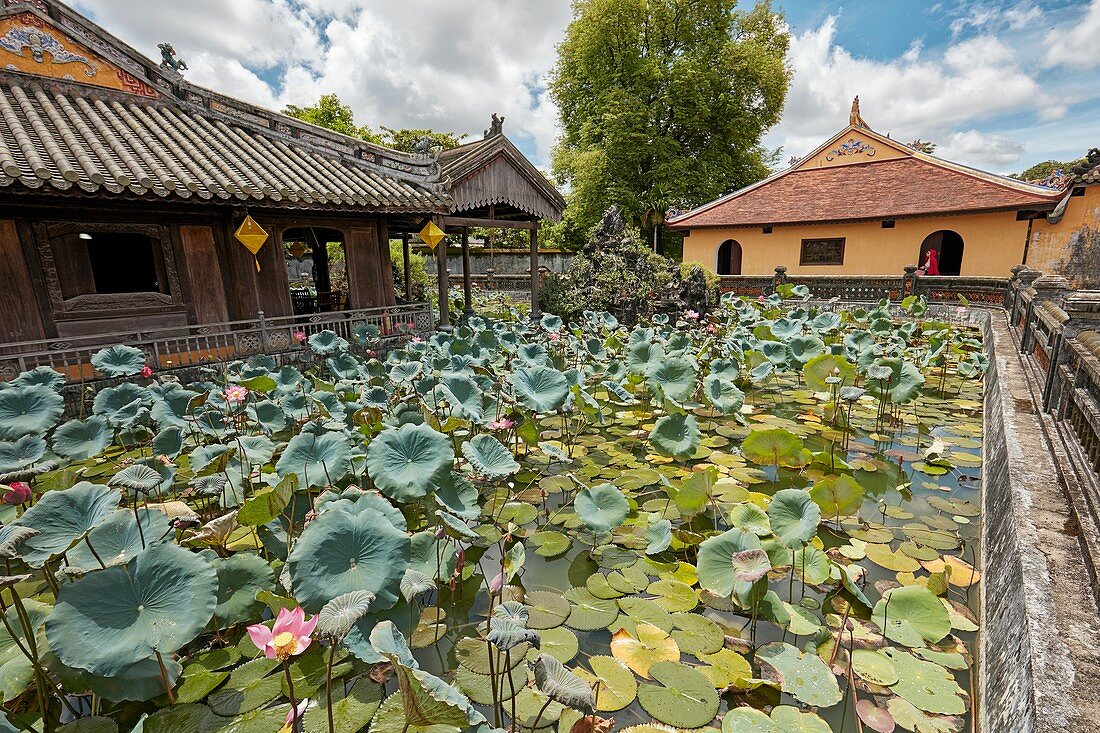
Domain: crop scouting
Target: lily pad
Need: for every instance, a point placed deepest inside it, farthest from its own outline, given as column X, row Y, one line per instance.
column 615, row 684
column 804, row 676
column 641, row 652
column 684, row 698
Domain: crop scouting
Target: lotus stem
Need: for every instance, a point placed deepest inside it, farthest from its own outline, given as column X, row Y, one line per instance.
column 511, row 684
column 164, row 679
column 296, row 726
column 141, row 532
column 95, row 554
column 538, row 717
column 328, row 684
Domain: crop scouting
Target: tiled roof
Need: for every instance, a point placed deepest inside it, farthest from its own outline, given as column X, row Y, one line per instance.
column 517, row 183
column 96, row 141
column 885, row 189
column 1087, row 171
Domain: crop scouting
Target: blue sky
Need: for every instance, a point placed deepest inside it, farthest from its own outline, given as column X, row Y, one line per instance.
column 996, row 84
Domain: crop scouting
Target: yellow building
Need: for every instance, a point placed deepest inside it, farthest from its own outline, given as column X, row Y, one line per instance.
column 864, row 204
column 1067, row 240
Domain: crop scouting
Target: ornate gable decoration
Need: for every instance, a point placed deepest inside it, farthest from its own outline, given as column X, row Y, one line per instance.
column 851, row 147
column 32, row 45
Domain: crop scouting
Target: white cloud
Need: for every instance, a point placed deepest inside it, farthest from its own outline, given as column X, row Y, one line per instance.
column 1079, row 45
column 398, row 63
column 986, row 151
column 917, row 94
column 984, row 17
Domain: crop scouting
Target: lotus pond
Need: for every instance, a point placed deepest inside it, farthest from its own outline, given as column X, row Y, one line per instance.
column 762, row 519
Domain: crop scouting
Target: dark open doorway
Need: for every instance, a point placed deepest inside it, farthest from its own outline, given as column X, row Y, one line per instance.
column 729, row 258
column 949, row 251
column 316, row 269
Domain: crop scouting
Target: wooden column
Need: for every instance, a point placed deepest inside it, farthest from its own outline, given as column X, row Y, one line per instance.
column 444, row 323
column 405, row 266
column 467, row 288
column 20, row 318
column 385, row 265
column 535, row 273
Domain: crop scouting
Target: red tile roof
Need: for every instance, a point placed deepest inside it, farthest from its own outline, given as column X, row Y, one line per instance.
column 884, row 189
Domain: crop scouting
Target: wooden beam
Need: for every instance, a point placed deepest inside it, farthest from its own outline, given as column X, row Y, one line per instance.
column 461, row 221
column 467, row 289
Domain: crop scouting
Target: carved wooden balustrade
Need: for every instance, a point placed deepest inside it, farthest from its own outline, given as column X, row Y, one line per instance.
column 212, row 343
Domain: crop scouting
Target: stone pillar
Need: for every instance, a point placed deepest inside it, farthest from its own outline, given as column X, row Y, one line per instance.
column 1019, row 301
column 1083, row 309
column 909, row 281
column 780, row 277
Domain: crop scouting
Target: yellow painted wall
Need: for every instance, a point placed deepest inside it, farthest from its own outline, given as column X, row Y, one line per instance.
column 1070, row 247
column 992, row 244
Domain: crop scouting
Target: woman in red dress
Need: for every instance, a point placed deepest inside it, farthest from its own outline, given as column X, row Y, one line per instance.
column 932, row 264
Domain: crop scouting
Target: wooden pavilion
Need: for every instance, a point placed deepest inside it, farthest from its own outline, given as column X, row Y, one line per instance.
column 122, row 186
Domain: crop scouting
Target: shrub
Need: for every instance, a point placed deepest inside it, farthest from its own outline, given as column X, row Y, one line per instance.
column 421, row 284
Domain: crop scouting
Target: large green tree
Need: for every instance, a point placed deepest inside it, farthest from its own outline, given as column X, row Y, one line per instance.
column 331, row 113
column 1040, row 171
column 663, row 104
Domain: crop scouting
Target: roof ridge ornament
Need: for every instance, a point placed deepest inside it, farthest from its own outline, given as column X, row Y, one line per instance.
column 496, row 126
column 855, row 119
column 168, row 60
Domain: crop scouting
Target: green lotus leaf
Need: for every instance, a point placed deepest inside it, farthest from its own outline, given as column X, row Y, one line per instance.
column 340, row 552
column 63, row 517
column 250, row 686
column 790, row 719
column 456, row 494
column 117, row 540
column 550, row 544
column 675, row 377
column 28, row 410
column 907, row 716
column 658, row 535
column 350, row 712
column 240, row 578
column 794, row 517
column 339, row 615
column 676, row 435
column 327, row 343
column 559, row 684
column 317, row 460
column 428, row 700
column 928, row 686
column 750, row 566
column 406, row 463
column 542, row 389
column 874, row 666
column 902, row 380
column 140, row 681
column 683, row 699
column 837, row 496
column 22, row 453
column 547, row 610
column 157, row 602
column 465, row 396
column 94, row 724
column 749, row 518
column 643, row 610
column 42, row 376
column 826, row 366
column 390, row 643
column 614, row 682
column 602, row 508
column 696, row 634
column 805, row 347
column 16, row 671
column 803, row 675
column 11, row 536
column 912, row 615
column 119, row 361
column 747, row 720
column 137, row 477
column 723, row 394
column 772, row 447
column 673, row 595
column 716, row 562
column 489, row 456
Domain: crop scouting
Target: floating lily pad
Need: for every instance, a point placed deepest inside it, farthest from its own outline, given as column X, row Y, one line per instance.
column 804, row 676
column 641, row 652
column 696, row 635
column 546, row 609
column 588, row 613
column 912, row 615
column 684, row 698
column 615, row 684
column 927, row 686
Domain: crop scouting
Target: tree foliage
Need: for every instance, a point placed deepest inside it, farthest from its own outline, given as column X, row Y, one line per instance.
column 1042, row 171
column 331, row 113
column 663, row 104
column 406, row 138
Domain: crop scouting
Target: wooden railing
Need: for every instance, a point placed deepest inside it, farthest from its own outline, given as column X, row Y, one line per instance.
column 210, row 343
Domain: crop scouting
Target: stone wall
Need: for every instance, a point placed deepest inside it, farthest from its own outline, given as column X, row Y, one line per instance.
column 503, row 261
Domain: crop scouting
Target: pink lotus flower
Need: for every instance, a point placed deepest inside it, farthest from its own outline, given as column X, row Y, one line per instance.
column 554, row 336
column 691, row 315
column 502, row 424
column 146, row 371
column 235, row 394
column 287, row 638
column 18, row 493
column 165, row 460
column 299, row 337
column 496, row 585
column 295, row 713
column 711, row 328
column 416, row 339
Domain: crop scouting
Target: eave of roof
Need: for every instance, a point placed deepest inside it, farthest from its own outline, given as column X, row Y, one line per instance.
column 457, row 163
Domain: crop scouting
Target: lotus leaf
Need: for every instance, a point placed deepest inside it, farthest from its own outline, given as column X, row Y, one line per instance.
column 838, row 496
column 602, row 508
column 157, row 602
column 912, row 615
column 340, row 552
column 696, row 634
column 644, row 610
column 901, row 383
column 716, row 562
column 137, row 477
column 117, row 539
column 640, row 653
column 350, row 712
column 546, row 610
column 726, row 668
column 588, row 613
column 489, row 456
column 672, row 595
column 675, row 377
column 805, row 347
column 28, row 410
column 750, row 566
column 792, row 720
column 683, row 699
column 406, row 463
column 907, row 716
column 560, row 643
column 428, row 700
column 749, row 518
column 723, row 394
column 561, row 685
column 21, row 453
column 658, row 535
column 16, row 671
column 317, row 460
column 391, row 644
column 63, row 517
column 804, row 676
column 550, row 544
column 676, row 435
column 825, row 366
column 772, row 447
column 874, row 666
column 339, row 615
column 928, row 686
column 240, row 577
column 119, row 361
column 542, row 389
column 794, row 517
column 250, row 686
column 747, row 720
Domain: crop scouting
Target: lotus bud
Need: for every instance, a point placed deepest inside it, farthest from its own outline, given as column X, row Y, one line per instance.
column 18, row 493
column 496, row 584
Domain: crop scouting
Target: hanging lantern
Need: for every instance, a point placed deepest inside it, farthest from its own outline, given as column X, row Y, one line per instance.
column 252, row 236
column 431, row 234
column 297, row 249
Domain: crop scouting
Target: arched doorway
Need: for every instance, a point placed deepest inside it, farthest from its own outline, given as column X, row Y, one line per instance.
column 949, row 251
column 316, row 269
column 729, row 258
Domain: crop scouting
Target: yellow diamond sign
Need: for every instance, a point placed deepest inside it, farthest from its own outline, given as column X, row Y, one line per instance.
column 252, row 236
column 431, row 234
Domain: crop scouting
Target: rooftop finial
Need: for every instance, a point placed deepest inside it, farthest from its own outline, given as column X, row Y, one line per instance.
column 855, row 119
column 496, row 126
column 168, row 58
